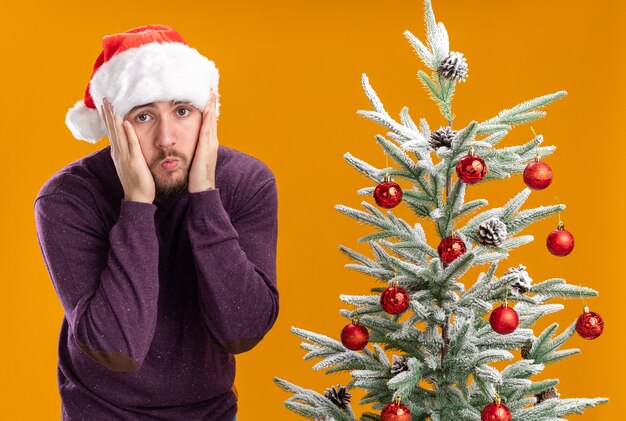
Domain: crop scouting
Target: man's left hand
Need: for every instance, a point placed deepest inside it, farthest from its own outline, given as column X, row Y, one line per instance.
column 202, row 172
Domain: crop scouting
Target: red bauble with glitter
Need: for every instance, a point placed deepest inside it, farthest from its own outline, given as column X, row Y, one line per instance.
column 354, row 336
column 560, row 242
column 395, row 300
column 395, row 411
column 387, row 194
column 504, row 320
column 471, row 168
column 589, row 325
column 450, row 248
column 537, row 175
column 496, row 411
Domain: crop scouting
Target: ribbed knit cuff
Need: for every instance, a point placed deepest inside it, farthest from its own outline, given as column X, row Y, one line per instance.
column 206, row 215
column 138, row 213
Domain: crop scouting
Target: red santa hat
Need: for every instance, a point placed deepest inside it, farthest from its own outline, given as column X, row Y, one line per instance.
column 137, row 67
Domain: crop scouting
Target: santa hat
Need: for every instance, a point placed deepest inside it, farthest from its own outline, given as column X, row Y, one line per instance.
column 137, row 67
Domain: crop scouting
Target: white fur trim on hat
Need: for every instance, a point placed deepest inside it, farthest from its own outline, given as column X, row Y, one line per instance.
column 152, row 72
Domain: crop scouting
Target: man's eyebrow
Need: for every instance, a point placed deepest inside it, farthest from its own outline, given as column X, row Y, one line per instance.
column 148, row 105
column 151, row 105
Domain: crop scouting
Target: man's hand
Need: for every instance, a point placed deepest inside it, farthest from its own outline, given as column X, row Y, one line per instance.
column 129, row 161
column 202, row 172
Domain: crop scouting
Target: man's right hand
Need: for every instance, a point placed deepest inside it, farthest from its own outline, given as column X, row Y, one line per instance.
column 130, row 164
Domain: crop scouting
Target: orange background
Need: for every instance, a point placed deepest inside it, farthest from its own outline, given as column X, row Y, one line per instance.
column 290, row 90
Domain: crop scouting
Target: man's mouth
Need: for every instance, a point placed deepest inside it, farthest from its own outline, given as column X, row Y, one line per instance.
column 169, row 164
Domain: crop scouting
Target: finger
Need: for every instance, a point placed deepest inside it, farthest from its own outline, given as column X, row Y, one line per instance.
column 121, row 135
column 213, row 102
column 106, row 111
column 210, row 104
column 213, row 119
column 134, row 147
column 113, row 133
column 205, row 129
column 115, row 130
column 103, row 108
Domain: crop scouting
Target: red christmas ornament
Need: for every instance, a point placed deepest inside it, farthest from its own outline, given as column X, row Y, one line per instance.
column 471, row 168
column 450, row 248
column 387, row 194
column 496, row 411
column 395, row 411
column 354, row 336
column 589, row 325
column 395, row 299
column 504, row 320
column 537, row 175
column 560, row 242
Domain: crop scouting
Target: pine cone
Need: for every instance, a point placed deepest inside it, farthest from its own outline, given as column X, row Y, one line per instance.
column 550, row 393
column 526, row 350
column 399, row 365
column 442, row 137
column 453, row 67
column 522, row 281
column 492, row 232
column 339, row 396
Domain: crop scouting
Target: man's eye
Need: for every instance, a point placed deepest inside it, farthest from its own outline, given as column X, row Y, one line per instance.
column 142, row 117
column 183, row 111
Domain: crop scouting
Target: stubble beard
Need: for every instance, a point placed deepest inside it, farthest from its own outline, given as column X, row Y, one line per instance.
column 169, row 185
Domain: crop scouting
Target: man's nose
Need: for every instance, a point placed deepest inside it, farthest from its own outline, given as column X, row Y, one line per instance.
column 166, row 136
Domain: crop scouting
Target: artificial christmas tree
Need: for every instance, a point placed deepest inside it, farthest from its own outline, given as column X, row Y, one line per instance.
column 434, row 324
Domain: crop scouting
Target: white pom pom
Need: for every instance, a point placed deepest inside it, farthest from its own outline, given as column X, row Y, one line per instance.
column 85, row 123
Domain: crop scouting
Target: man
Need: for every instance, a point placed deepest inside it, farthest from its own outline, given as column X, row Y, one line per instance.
column 161, row 247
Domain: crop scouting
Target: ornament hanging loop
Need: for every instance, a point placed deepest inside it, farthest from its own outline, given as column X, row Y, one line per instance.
column 561, row 224
column 506, row 296
column 387, row 177
column 537, row 147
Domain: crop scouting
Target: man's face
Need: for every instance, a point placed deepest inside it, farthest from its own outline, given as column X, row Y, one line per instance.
column 168, row 134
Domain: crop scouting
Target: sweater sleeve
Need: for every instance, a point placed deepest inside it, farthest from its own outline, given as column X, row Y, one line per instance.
column 107, row 282
column 236, row 265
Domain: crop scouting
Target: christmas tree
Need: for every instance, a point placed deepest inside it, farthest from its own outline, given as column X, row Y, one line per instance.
column 444, row 333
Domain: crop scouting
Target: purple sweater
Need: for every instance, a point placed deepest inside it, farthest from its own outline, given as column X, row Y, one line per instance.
column 157, row 299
